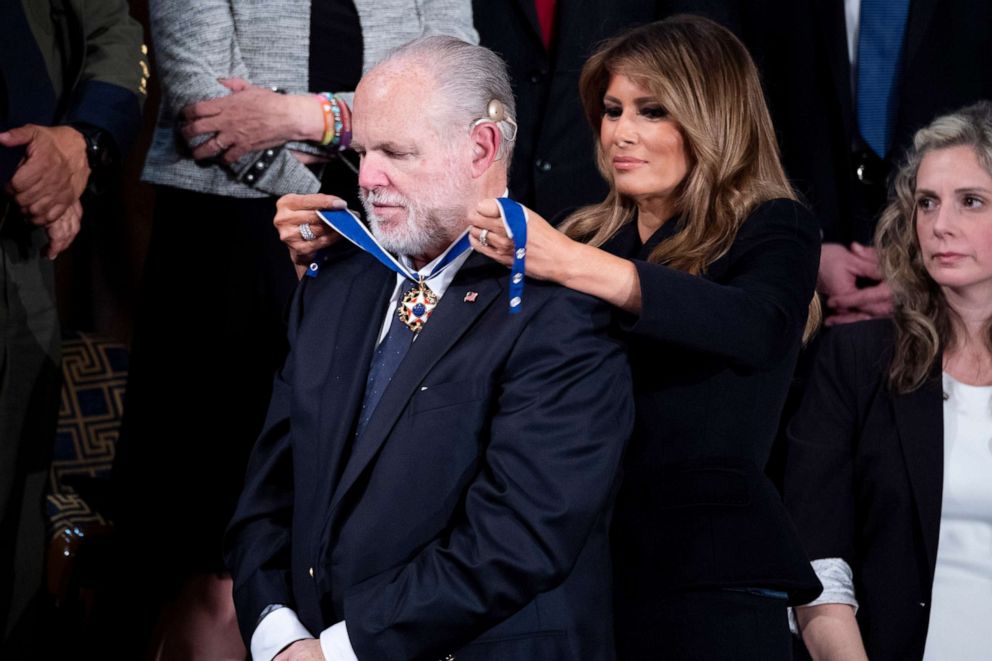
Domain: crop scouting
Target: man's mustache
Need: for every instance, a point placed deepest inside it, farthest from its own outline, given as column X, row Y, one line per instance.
column 376, row 196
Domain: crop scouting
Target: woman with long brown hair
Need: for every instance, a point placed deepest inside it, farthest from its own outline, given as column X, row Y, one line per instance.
column 711, row 263
column 889, row 471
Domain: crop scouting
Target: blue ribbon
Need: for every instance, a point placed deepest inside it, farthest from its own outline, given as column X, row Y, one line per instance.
column 347, row 223
column 515, row 222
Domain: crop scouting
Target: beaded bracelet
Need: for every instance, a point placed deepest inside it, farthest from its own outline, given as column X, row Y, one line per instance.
column 345, row 140
column 328, row 106
column 332, row 119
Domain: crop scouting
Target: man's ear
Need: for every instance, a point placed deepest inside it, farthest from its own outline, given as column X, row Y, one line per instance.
column 485, row 138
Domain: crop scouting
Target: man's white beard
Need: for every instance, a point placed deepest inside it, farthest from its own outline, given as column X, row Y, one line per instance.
column 429, row 226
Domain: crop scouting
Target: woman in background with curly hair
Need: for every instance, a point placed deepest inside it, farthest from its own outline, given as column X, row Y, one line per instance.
column 889, row 471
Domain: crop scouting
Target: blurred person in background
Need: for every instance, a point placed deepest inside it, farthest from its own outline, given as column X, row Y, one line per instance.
column 848, row 84
column 72, row 83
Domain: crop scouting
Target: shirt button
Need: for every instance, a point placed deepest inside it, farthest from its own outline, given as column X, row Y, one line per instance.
column 923, row 604
column 543, row 166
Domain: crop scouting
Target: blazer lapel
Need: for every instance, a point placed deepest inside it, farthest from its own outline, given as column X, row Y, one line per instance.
column 919, row 420
column 449, row 322
column 350, row 344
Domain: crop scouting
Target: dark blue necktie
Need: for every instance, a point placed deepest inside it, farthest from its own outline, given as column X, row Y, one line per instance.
column 882, row 27
column 385, row 361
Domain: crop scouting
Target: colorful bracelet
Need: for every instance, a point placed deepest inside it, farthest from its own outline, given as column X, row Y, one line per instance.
column 331, row 112
column 332, row 119
column 345, row 140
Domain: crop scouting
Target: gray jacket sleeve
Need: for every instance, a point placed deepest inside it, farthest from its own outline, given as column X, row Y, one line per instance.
column 195, row 44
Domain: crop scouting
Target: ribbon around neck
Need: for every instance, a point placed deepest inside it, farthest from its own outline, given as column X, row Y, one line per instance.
column 347, row 223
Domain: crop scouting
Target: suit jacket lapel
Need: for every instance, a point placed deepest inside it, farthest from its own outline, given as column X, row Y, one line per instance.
column 350, row 344
column 449, row 322
column 919, row 419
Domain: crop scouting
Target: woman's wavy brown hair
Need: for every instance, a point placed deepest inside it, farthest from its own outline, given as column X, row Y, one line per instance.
column 925, row 324
column 705, row 78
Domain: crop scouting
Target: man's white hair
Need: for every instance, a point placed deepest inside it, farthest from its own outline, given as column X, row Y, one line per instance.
column 467, row 78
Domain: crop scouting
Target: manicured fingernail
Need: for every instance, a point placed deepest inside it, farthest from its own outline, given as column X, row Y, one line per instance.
column 339, row 204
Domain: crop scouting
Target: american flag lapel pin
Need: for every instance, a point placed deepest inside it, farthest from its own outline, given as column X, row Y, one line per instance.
column 470, row 296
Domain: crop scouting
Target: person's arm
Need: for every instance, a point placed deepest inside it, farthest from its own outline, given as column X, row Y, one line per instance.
column 759, row 304
column 553, row 256
column 251, row 119
column 831, row 633
column 112, row 81
column 107, row 99
column 555, row 443
column 257, row 540
column 819, row 487
column 196, row 47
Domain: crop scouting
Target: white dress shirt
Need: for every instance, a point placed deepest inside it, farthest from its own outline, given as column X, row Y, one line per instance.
column 961, row 599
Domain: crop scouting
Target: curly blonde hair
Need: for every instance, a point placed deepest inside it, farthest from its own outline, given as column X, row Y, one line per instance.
column 924, row 321
column 705, row 78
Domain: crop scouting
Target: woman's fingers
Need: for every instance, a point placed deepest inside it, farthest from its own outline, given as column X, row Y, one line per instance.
column 489, row 251
column 301, row 228
column 488, row 208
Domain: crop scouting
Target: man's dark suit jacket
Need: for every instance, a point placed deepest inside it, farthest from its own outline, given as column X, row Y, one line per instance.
column 471, row 516
column 801, row 48
column 864, row 479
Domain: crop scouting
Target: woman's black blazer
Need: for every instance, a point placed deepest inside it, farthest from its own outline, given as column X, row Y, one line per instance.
column 712, row 358
column 863, row 480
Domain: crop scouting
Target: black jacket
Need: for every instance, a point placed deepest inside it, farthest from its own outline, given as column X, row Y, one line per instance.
column 712, row 359
column 863, row 483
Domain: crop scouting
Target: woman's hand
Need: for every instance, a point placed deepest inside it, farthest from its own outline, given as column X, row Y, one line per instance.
column 295, row 211
column 553, row 256
column 249, row 119
column 548, row 250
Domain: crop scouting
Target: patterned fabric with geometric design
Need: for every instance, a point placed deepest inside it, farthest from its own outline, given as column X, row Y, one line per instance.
column 94, row 376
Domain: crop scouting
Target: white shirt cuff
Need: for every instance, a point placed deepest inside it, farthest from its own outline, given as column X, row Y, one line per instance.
column 838, row 586
column 276, row 632
column 335, row 644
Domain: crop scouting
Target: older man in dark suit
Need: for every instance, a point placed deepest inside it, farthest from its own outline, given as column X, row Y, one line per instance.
column 432, row 487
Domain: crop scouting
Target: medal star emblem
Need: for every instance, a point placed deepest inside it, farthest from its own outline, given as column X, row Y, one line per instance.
column 417, row 306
